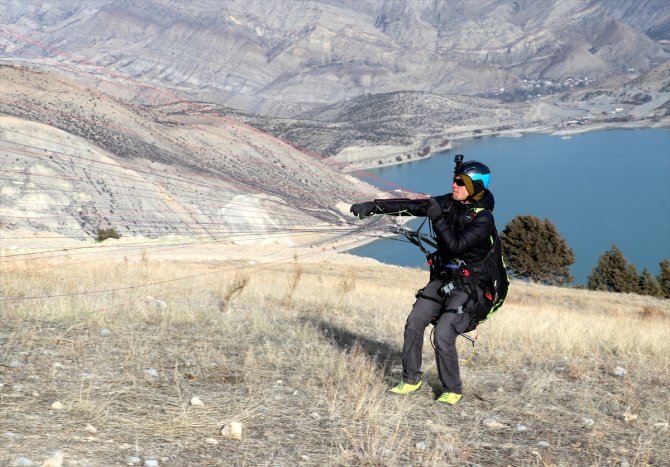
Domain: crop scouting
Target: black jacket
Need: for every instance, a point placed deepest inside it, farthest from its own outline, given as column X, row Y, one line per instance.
column 462, row 232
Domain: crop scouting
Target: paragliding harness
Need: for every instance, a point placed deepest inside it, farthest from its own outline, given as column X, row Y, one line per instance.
column 489, row 274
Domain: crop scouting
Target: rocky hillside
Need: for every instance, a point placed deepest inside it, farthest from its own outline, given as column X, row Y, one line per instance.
column 403, row 118
column 284, row 58
column 649, row 16
column 413, row 123
column 75, row 160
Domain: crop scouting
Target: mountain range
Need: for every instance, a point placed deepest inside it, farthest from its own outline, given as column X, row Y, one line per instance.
column 287, row 57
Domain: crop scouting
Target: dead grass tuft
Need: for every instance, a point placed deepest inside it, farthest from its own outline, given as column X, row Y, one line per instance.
column 652, row 312
column 230, row 289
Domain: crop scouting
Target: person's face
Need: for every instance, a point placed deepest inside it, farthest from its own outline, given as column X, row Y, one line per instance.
column 460, row 191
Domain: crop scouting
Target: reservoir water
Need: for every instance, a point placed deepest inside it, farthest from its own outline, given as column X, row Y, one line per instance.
column 598, row 188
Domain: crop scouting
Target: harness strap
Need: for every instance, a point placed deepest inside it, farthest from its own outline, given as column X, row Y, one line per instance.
column 426, row 297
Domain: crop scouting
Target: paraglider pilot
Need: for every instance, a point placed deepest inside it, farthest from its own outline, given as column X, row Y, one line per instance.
column 458, row 291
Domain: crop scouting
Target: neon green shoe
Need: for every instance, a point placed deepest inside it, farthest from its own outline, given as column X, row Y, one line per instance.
column 406, row 388
column 450, row 398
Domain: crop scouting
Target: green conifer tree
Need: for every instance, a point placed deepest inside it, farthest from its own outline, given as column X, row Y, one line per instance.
column 534, row 249
column 663, row 278
column 648, row 285
column 614, row 273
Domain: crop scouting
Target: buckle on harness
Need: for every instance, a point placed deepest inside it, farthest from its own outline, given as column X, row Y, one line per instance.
column 447, row 288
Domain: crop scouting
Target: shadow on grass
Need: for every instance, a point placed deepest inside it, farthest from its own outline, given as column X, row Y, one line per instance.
column 384, row 355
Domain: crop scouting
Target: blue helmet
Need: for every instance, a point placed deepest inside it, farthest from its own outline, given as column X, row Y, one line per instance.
column 476, row 176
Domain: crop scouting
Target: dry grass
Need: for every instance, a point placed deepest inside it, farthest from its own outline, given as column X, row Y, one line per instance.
column 302, row 356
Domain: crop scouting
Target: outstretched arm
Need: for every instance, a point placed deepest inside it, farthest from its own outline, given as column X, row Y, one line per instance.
column 391, row 207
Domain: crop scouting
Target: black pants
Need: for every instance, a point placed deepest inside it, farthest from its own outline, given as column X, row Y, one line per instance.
column 429, row 305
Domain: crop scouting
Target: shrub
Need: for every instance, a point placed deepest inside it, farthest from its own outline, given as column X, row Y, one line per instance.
column 648, row 285
column 614, row 273
column 663, row 278
column 534, row 249
column 104, row 234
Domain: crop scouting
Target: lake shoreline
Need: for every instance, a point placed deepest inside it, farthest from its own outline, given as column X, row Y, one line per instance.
column 396, row 158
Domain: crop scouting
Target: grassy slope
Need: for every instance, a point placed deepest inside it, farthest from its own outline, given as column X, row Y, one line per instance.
column 302, row 355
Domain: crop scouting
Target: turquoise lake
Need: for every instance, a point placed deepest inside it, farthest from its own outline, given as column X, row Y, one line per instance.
column 598, row 188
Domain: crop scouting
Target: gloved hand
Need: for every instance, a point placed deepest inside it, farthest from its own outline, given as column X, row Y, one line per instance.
column 434, row 210
column 363, row 210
